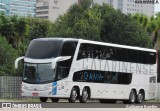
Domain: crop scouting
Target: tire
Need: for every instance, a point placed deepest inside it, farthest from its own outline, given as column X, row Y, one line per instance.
column 43, row 99
column 54, row 100
column 140, row 97
column 132, row 98
column 107, row 101
column 84, row 97
column 73, row 95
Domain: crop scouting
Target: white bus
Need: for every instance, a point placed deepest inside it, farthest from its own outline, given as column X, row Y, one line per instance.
column 65, row 68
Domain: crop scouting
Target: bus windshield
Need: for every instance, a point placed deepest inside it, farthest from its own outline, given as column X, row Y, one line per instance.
column 38, row 73
column 44, row 49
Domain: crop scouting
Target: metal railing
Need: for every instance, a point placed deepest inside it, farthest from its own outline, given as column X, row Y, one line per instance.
column 10, row 87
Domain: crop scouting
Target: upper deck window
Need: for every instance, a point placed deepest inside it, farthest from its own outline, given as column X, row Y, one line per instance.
column 68, row 48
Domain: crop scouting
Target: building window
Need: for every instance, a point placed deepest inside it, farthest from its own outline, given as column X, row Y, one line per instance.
column 43, row 12
column 43, row 7
column 44, row 17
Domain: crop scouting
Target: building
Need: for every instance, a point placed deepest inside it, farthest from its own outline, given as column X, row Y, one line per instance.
column 20, row 7
column 52, row 9
column 2, row 7
column 130, row 7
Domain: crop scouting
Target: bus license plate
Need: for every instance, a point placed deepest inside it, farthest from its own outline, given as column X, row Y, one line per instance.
column 35, row 94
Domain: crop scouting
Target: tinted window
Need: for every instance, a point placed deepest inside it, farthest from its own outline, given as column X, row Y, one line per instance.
column 68, row 48
column 96, row 51
column 63, row 67
column 152, row 57
column 132, row 55
column 143, row 57
column 115, row 53
column 102, row 77
column 124, row 54
column 42, row 49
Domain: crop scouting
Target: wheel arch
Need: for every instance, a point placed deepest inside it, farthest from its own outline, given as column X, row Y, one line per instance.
column 134, row 90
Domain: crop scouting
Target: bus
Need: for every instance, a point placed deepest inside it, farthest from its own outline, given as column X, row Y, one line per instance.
column 77, row 69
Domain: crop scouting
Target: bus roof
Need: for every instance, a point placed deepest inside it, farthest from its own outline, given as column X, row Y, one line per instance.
column 62, row 39
column 116, row 45
column 98, row 43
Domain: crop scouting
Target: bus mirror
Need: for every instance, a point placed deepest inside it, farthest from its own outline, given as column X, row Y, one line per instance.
column 61, row 58
column 17, row 60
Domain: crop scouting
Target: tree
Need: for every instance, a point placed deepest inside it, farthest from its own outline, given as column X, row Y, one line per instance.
column 21, row 29
column 142, row 19
column 7, row 58
column 101, row 23
column 7, row 28
column 80, row 21
column 122, row 29
column 38, row 28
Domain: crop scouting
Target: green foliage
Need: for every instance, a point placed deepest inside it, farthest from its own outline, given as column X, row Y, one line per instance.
column 80, row 21
column 101, row 23
column 38, row 27
column 122, row 29
column 14, row 29
column 7, row 58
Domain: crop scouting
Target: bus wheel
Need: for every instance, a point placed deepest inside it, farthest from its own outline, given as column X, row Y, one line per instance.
column 84, row 97
column 132, row 97
column 73, row 95
column 43, row 99
column 54, row 100
column 140, row 97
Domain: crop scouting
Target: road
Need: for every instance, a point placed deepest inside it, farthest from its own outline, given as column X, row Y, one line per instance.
column 100, row 105
column 89, row 104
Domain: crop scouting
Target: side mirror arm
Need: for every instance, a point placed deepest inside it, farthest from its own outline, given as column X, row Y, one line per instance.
column 61, row 58
column 17, row 60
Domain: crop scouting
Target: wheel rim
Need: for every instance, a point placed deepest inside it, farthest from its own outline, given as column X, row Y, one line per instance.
column 140, row 97
column 74, row 94
column 85, row 95
column 132, row 97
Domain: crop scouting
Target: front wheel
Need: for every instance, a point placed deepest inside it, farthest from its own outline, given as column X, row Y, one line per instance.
column 132, row 97
column 84, row 97
column 54, row 100
column 43, row 99
column 73, row 95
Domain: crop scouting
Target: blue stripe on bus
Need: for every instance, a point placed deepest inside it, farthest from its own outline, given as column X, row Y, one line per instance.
column 54, row 89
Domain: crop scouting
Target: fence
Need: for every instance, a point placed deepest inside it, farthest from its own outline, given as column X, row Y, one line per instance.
column 10, row 87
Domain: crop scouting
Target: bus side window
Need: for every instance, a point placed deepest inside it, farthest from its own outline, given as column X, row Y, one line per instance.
column 143, row 57
column 110, row 53
column 132, row 56
column 63, row 67
column 124, row 55
column 152, row 58
column 68, row 48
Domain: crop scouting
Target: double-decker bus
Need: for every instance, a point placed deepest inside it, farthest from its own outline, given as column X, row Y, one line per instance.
column 77, row 69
